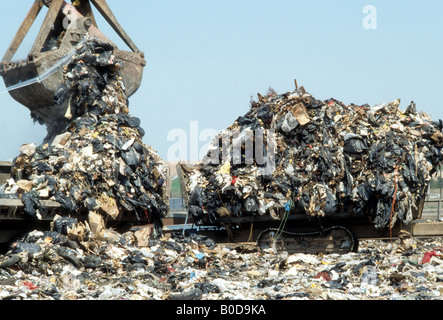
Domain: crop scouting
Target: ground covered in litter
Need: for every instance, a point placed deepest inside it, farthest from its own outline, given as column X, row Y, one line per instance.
column 50, row 266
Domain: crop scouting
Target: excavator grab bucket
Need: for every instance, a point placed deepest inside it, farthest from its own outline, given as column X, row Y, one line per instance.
column 64, row 27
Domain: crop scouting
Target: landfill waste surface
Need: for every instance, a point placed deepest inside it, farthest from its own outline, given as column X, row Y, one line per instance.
column 94, row 159
column 58, row 265
column 317, row 158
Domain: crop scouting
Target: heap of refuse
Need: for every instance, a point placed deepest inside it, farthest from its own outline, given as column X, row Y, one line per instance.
column 95, row 161
column 317, row 158
column 55, row 265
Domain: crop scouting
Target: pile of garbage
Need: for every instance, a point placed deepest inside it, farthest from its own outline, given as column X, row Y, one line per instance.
column 94, row 159
column 56, row 265
column 294, row 153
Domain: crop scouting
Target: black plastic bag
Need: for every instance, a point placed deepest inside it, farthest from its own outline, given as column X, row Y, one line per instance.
column 19, row 246
column 128, row 120
column 354, row 145
column 331, row 204
column 61, row 224
column 32, row 204
column 66, row 202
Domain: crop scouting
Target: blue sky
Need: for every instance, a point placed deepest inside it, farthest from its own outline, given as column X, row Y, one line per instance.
column 207, row 58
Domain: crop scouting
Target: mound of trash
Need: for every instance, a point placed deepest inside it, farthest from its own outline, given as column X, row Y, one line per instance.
column 97, row 161
column 297, row 154
column 55, row 265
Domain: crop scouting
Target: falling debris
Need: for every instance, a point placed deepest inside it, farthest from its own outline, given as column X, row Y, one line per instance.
column 94, row 160
column 295, row 153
